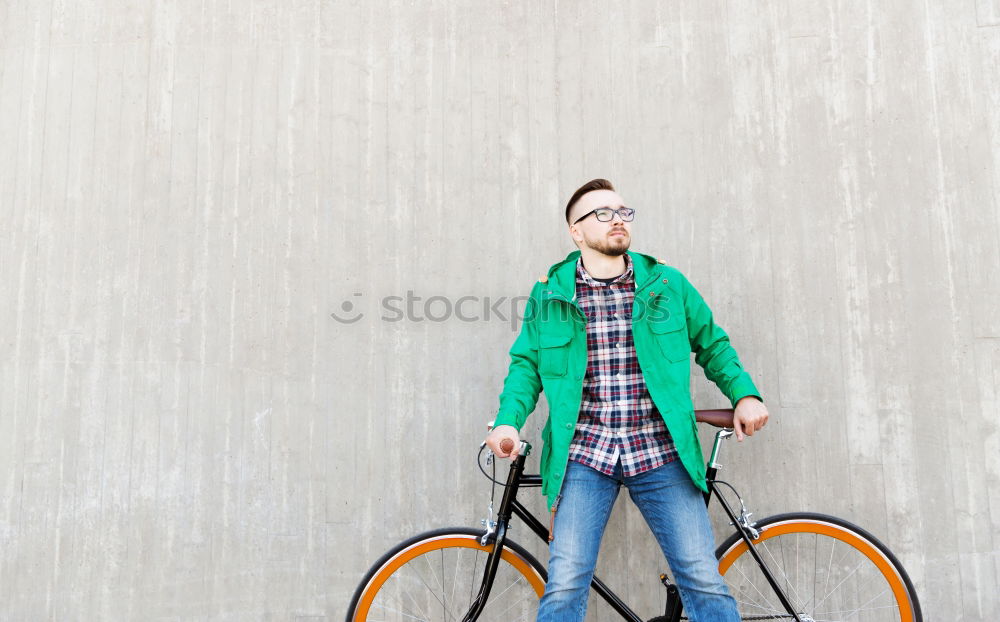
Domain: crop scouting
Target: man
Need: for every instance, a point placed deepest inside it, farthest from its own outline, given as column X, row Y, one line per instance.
column 608, row 335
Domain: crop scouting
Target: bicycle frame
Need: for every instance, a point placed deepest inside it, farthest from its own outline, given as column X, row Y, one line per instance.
column 510, row 506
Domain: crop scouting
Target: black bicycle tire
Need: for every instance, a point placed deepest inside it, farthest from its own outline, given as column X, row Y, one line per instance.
column 735, row 537
column 434, row 533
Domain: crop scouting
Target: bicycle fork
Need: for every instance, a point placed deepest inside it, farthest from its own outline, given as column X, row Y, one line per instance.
column 498, row 537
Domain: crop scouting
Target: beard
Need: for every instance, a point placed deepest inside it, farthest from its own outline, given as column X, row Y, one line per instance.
column 610, row 246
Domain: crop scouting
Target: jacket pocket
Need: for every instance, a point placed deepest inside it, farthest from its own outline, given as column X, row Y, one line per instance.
column 671, row 335
column 553, row 354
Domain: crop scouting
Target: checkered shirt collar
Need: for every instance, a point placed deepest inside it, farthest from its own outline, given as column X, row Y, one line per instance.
column 584, row 276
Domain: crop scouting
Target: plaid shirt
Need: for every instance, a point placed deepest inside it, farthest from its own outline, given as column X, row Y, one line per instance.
column 618, row 420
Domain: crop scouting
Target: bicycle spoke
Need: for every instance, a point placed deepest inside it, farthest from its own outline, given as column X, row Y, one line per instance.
column 829, row 571
column 823, row 613
column 507, row 589
column 473, row 583
column 406, row 592
column 754, row 604
column 432, row 592
column 430, row 567
column 770, row 610
column 423, row 619
column 477, row 583
column 815, row 570
column 502, row 614
column 782, row 566
column 415, row 601
column 849, row 575
column 420, row 609
column 753, row 584
column 804, row 604
column 865, row 605
column 781, row 569
column 444, row 598
column 454, row 583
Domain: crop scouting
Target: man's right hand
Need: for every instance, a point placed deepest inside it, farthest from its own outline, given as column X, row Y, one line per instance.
column 498, row 435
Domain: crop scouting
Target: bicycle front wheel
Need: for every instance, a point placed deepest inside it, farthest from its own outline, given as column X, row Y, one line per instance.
column 828, row 568
column 436, row 575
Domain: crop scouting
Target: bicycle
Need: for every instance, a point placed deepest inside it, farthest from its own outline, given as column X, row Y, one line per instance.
column 798, row 566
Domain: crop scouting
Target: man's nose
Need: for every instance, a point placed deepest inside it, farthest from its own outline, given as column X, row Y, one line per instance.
column 615, row 214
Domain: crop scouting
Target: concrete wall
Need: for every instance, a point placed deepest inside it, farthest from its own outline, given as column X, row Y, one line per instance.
column 189, row 189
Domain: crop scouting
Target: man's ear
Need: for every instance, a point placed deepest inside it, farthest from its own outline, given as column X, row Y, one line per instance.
column 574, row 232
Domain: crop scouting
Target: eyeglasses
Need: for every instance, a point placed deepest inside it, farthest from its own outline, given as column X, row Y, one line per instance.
column 606, row 214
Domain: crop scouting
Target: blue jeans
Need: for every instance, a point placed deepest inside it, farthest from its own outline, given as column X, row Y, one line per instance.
column 675, row 511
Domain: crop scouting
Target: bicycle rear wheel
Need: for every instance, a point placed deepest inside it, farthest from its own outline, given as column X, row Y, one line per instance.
column 436, row 575
column 828, row 568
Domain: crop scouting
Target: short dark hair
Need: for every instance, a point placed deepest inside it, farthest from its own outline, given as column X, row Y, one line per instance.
column 590, row 186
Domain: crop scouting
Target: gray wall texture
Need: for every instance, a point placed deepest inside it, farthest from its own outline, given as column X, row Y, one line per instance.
column 189, row 190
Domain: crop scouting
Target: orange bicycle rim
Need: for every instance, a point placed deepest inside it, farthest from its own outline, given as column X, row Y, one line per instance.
column 444, row 542
column 805, row 526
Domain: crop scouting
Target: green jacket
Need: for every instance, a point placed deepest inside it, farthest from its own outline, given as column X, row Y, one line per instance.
column 669, row 321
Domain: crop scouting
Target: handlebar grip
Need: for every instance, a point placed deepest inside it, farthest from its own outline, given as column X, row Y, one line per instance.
column 720, row 418
column 507, row 445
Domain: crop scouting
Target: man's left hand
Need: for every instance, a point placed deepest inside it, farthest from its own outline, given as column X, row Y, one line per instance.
column 749, row 416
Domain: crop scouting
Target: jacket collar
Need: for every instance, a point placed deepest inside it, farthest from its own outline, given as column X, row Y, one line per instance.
column 562, row 275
